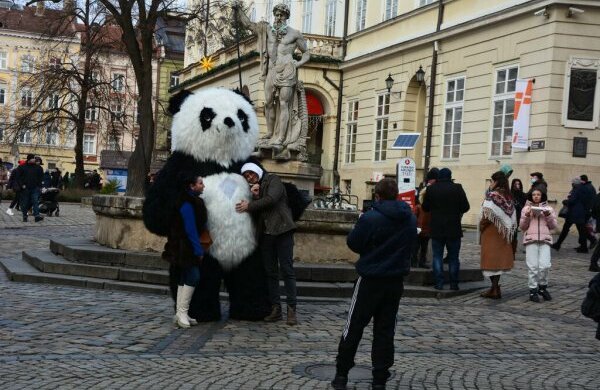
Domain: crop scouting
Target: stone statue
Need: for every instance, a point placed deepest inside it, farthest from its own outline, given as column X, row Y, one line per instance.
column 285, row 102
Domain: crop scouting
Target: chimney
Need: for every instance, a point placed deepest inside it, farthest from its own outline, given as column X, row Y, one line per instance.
column 40, row 8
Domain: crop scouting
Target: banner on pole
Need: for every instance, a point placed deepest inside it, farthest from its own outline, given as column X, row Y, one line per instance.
column 522, row 112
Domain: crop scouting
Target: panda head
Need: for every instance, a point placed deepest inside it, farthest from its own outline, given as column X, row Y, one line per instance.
column 213, row 124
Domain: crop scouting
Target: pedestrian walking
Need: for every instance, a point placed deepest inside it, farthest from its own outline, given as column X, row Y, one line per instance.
column 383, row 237
column 537, row 222
column 14, row 186
column 3, row 178
column 595, row 212
column 537, row 181
column 29, row 178
column 276, row 242
column 183, row 248
column 590, row 307
column 497, row 225
column 424, row 222
column 590, row 195
column 576, row 203
column 447, row 203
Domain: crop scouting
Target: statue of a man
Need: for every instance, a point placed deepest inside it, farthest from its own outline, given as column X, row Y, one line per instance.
column 276, row 45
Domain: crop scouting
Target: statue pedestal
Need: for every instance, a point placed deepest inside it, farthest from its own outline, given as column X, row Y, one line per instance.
column 303, row 175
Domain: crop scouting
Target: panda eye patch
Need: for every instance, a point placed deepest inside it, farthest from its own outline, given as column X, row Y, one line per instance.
column 206, row 116
column 243, row 119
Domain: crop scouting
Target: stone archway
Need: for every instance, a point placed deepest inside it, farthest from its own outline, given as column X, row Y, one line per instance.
column 316, row 111
column 415, row 107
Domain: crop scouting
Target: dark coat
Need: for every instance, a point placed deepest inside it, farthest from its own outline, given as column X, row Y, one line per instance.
column 384, row 237
column 30, row 176
column 271, row 208
column 589, row 194
column 575, row 202
column 447, row 202
column 178, row 249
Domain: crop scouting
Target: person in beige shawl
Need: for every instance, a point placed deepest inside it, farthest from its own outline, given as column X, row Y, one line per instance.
column 497, row 224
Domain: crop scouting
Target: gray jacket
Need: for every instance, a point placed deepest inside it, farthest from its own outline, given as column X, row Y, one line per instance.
column 271, row 208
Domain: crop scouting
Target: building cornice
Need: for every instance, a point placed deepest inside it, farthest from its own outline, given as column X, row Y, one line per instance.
column 456, row 29
column 24, row 35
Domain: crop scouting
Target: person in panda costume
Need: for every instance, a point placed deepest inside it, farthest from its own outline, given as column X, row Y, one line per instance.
column 213, row 133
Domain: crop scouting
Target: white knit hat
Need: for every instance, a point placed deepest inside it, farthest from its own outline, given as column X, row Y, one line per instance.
column 253, row 168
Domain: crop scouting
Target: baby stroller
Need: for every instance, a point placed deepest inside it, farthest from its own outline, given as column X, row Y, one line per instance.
column 48, row 204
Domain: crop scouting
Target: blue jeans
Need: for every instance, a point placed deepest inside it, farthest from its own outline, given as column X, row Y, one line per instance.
column 30, row 199
column 453, row 247
column 190, row 276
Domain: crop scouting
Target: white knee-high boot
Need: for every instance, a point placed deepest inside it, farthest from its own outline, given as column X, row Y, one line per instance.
column 184, row 297
column 190, row 319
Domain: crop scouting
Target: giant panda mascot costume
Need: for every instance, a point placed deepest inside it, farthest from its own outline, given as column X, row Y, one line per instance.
column 213, row 133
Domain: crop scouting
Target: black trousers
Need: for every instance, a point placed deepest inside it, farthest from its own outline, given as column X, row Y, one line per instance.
column 581, row 230
column 278, row 256
column 377, row 299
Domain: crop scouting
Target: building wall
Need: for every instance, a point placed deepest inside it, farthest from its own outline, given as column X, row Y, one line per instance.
column 539, row 46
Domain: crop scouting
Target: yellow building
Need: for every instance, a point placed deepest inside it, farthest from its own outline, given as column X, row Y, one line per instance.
column 471, row 54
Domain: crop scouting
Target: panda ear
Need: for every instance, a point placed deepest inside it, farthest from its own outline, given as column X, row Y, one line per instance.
column 176, row 101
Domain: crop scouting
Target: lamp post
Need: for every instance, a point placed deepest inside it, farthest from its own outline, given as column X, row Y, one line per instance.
column 420, row 75
column 389, row 83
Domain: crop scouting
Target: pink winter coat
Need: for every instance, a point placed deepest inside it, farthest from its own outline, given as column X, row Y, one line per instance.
column 537, row 228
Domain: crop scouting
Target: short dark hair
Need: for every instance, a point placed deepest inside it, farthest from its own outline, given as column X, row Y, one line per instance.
column 501, row 181
column 387, row 189
column 582, row 177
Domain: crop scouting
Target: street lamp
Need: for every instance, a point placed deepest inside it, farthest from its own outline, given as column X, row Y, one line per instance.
column 389, row 83
column 420, row 75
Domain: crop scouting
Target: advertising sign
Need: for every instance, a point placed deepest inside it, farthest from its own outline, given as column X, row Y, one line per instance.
column 406, row 174
column 118, row 174
column 521, row 114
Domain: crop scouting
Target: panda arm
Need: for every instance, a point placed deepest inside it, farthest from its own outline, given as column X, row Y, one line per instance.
column 275, row 191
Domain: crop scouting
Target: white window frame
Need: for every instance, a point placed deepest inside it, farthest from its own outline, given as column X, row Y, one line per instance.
column 113, row 142
column 423, row 3
column 307, row 12
column 3, row 60
column 353, row 107
column 454, row 102
column 361, row 15
column 390, row 9
column 382, row 123
column 25, row 137
column 585, row 63
column 330, row 14
column 505, row 95
column 2, row 94
column 26, row 97
column 51, row 135
column 118, row 82
column 89, row 144
column 116, row 111
column 53, row 100
column 27, row 63
column 91, row 113
column 70, row 139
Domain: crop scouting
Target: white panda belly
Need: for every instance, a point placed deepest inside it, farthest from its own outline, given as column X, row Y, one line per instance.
column 233, row 233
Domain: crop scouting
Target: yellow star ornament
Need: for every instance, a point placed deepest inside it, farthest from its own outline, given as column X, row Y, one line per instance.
column 207, row 63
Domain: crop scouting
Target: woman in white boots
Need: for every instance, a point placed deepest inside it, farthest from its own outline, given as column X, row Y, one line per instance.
column 184, row 249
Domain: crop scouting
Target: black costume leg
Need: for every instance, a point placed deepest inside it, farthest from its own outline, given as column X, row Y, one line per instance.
column 205, row 305
column 248, row 292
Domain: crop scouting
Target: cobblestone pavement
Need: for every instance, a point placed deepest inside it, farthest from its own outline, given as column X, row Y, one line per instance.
column 65, row 337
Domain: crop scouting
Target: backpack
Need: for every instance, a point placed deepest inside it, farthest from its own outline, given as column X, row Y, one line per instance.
column 591, row 304
column 297, row 200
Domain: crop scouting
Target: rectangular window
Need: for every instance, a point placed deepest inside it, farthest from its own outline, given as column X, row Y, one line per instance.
column 455, row 93
column 26, row 98
column 2, row 94
column 70, row 139
column 1, row 133
column 52, row 135
column 503, row 111
column 91, row 113
column 307, row 16
column 174, row 80
column 116, row 111
column 351, row 131
column 391, row 9
column 27, row 63
column 54, row 63
column 581, row 94
column 25, row 136
column 114, row 142
column 53, row 101
column 89, row 144
column 269, row 11
column 3, row 60
column 118, row 82
column 381, row 126
column 361, row 14
column 422, row 3
column 330, row 12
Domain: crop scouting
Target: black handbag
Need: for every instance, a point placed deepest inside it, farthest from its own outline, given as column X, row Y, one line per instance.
column 563, row 211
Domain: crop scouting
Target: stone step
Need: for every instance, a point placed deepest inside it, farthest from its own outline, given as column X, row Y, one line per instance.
column 86, row 251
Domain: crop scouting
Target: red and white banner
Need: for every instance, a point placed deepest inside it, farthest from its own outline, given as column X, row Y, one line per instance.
column 520, row 139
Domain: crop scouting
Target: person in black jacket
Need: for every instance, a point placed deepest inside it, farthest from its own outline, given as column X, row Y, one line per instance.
column 184, row 248
column 29, row 178
column 595, row 212
column 576, row 203
column 384, row 238
column 447, row 203
column 590, row 195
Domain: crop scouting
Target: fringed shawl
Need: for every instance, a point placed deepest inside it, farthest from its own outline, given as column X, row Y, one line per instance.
column 501, row 212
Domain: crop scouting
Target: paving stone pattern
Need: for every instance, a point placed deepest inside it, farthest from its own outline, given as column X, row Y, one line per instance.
column 65, row 337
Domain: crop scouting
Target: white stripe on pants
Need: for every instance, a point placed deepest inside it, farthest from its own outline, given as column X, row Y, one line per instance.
column 537, row 257
column 347, row 327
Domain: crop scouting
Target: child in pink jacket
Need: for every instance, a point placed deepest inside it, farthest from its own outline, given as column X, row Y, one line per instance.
column 537, row 220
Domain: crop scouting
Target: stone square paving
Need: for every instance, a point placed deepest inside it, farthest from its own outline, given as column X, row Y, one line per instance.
column 65, row 337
